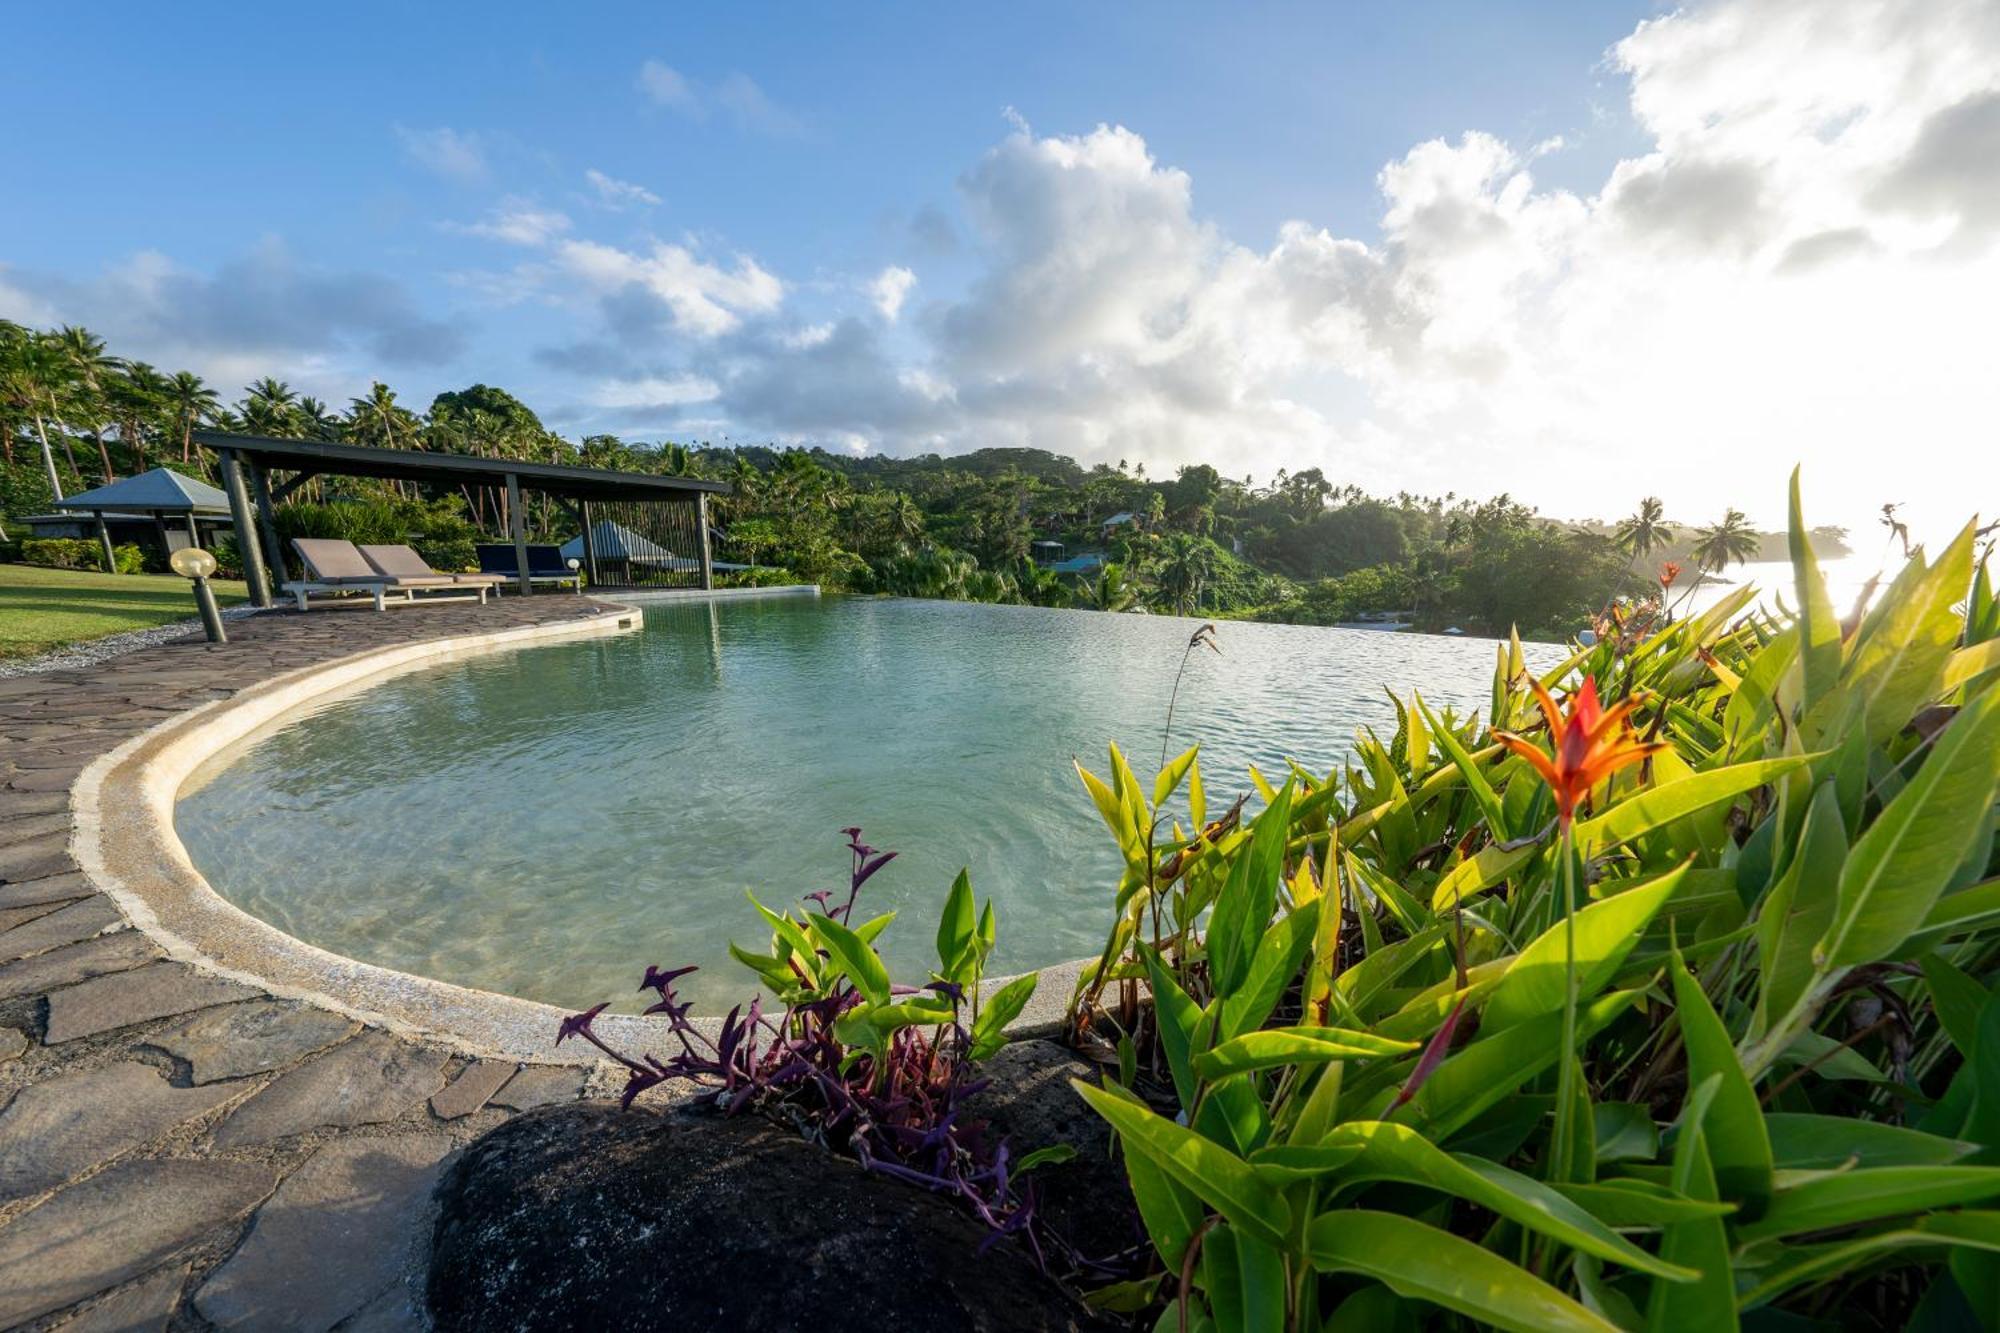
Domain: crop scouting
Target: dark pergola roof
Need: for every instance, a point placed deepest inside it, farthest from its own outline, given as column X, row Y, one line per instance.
column 160, row 491
column 437, row 469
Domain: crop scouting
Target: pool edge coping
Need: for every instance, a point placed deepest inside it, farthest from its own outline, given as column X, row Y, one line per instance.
column 123, row 839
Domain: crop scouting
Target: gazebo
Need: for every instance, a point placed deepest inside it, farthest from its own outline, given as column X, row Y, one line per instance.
column 158, row 495
column 607, row 541
column 669, row 508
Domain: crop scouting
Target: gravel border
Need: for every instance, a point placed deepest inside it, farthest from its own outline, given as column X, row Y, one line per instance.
column 112, row 645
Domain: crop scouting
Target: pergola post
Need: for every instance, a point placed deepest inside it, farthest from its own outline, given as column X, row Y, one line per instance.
column 267, row 521
column 589, row 542
column 246, row 529
column 517, row 527
column 160, row 531
column 707, row 558
column 104, row 540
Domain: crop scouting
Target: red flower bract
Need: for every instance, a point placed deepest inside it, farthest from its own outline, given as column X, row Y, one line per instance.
column 1591, row 743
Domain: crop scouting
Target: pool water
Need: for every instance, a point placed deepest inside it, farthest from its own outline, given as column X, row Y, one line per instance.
column 547, row 821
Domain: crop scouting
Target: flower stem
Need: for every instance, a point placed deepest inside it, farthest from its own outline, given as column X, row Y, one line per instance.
column 1560, row 1153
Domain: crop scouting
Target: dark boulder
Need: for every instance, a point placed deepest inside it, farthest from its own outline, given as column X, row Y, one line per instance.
column 588, row 1217
column 1087, row 1201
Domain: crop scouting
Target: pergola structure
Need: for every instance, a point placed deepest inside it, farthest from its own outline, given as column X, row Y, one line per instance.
column 155, row 495
column 249, row 464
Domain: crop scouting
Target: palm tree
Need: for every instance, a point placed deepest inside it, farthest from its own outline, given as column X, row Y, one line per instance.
column 319, row 422
column 270, row 407
column 1183, row 570
column 92, row 367
column 1110, row 590
column 1644, row 531
column 1730, row 542
column 33, row 376
column 138, row 394
column 190, row 401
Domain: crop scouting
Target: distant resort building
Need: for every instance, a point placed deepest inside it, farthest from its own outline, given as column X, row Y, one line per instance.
column 1118, row 520
column 1046, row 552
column 160, row 511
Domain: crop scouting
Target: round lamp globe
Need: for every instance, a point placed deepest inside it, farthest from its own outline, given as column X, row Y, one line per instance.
column 192, row 562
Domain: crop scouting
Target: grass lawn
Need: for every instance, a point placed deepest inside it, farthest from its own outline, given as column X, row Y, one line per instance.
column 42, row 609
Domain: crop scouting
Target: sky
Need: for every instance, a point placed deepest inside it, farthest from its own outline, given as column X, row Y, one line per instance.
column 1579, row 253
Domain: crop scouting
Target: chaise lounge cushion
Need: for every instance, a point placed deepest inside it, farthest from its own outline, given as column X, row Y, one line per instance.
column 404, row 565
column 330, row 560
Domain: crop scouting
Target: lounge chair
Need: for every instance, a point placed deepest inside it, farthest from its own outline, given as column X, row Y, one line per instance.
column 402, row 562
column 338, row 568
column 545, row 564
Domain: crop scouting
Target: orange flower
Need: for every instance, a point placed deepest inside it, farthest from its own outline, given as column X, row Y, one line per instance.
column 1591, row 744
column 1668, row 573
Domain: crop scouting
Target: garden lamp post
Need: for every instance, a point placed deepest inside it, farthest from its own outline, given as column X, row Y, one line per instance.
column 191, row 562
column 574, row 565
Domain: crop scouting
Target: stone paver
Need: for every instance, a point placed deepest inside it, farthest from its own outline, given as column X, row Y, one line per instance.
column 120, row 1223
column 49, row 889
column 251, row 1038
column 542, row 1085
column 143, row 1307
column 78, row 962
column 66, row 925
column 472, row 1089
column 373, row 1078
column 125, row 998
column 338, row 1233
column 127, row 1246
column 56, row 1130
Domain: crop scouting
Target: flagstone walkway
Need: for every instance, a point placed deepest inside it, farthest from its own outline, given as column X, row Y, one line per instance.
column 182, row 1151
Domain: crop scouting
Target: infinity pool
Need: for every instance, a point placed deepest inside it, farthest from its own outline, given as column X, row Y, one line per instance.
column 547, row 821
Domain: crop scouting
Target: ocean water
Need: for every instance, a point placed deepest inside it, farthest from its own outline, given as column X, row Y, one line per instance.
column 546, row 822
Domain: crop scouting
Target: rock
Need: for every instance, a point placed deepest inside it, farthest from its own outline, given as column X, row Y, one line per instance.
column 591, row 1217
column 13, row 1044
column 33, row 826
column 37, row 857
column 397, row 1310
column 472, row 1089
column 374, row 1077
column 53, row 1131
column 66, row 925
column 48, row 889
column 45, row 972
column 143, row 1307
column 251, row 1038
column 14, row 803
column 339, row 1233
column 122, row 1222
column 125, row 998
column 542, row 1085
column 1028, row 1100
column 11, row 917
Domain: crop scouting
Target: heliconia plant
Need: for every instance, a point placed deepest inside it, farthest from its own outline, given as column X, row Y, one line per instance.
column 1660, row 997
column 878, row 1068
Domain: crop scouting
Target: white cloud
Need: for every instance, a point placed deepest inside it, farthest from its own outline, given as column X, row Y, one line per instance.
column 737, row 96
column 446, row 152
column 668, row 87
column 615, row 193
column 890, row 288
column 669, row 286
column 517, row 222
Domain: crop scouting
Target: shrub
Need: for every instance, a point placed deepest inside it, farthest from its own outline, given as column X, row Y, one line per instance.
column 762, row 576
column 876, row 1067
column 1668, row 1004
column 79, row 553
column 437, row 529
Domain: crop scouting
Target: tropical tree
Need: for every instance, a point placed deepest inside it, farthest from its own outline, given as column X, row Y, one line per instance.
column 379, row 420
column 91, row 367
column 270, row 407
column 1645, row 531
column 189, row 401
column 1182, row 570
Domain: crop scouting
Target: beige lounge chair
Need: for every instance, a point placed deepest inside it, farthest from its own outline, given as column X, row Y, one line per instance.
column 337, row 567
column 403, row 562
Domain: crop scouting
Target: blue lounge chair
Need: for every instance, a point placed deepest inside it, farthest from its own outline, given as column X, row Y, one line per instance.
column 545, row 564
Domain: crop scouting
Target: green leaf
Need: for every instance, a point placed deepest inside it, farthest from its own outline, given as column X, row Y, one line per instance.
column 1824, row 1201
column 1248, row 898
column 1287, row 1164
column 1274, row 1047
column 1421, row 1262
column 1739, row 1152
column 1053, row 1155
column 1180, row 1025
column 1799, row 908
column 1896, row 663
column 1659, row 806
column 1475, row 781
column 788, row 930
column 1491, row 1068
column 1802, row 1142
column 1171, row 1214
column 1244, row 1280
column 1170, row 776
column 1273, row 967
column 957, row 925
column 1605, row 934
column 1699, row 1243
column 1901, row 865
column 1819, row 629
column 1396, row 1152
column 852, row 955
column 989, row 1031
column 1625, row 1132
column 1221, row 1179
column 1978, row 1231
column 1639, row 1203
column 1957, row 998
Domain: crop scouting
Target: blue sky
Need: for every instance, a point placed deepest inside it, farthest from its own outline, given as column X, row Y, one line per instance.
column 1413, row 244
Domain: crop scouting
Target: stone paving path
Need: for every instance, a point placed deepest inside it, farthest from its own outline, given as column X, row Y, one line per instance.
column 178, row 1151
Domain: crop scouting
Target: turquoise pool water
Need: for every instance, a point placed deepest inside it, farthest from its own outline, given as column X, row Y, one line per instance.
column 545, row 822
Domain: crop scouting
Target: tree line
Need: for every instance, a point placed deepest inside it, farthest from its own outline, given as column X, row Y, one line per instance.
column 1299, row 548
